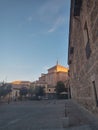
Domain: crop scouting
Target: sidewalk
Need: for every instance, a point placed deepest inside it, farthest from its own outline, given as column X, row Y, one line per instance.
column 79, row 117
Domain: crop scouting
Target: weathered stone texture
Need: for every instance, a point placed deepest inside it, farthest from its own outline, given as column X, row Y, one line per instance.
column 82, row 68
column 95, row 30
column 94, row 13
column 89, row 5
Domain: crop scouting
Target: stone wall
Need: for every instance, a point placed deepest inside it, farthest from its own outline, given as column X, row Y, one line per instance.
column 82, row 68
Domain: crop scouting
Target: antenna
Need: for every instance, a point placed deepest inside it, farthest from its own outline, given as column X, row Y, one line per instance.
column 57, row 62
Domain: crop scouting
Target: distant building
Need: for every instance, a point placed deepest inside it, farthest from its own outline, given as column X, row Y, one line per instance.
column 55, row 74
column 15, row 94
column 21, row 83
column 83, row 52
column 49, row 80
column 16, row 86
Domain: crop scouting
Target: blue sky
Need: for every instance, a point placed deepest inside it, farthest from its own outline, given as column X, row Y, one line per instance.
column 33, row 35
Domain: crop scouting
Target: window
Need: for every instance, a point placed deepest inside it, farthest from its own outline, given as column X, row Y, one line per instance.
column 69, row 62
column 71, row 50
column 77, row 7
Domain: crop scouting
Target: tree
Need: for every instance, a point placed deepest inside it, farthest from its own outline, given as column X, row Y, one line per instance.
column 5, row 89
column 39, row 91
column 60, row 87
column 31, row 92
column 23, row 91
column 9, row 88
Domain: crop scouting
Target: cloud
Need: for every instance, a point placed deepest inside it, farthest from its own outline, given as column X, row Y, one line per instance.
column 50, row 10
column 57, row 24
column 52, row 6
column 54, row 26
column 51, row 30
column 47, row 11
column 49, row 14
column 52, row 15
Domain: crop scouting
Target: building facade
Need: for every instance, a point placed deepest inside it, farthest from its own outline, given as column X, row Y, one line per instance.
column 55, row 74
column 49, row 80
column 16, row 86
column 83, row 52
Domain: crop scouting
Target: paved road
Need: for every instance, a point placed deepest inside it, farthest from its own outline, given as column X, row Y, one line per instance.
column 32, row 115
column 45, row 115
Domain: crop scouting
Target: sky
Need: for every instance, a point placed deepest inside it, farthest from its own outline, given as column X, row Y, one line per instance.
column 33, row 36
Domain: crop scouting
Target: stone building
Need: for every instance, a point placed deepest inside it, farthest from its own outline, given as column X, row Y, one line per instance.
column 55, row 74
column 49, row 80
column 83, row 52
column 16, row 86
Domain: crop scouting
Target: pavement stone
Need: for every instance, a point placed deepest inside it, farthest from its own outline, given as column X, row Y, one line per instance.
column 46, row 115
column 83, row 127
column 79, row 117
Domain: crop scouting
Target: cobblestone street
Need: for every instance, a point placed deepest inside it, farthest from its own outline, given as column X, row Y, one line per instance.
column 45, row 115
